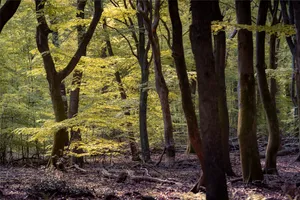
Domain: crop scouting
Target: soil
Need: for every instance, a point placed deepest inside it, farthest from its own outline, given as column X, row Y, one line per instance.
column 29, row 182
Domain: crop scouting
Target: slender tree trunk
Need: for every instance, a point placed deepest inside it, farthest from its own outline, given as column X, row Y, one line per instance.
column 296, row 6
column 76, row 82
column 201, row 40
column 160, row 83
column 186, row 95
column 251, row 167
column 132, row 143
column 274, row 46
column 143, row 62
column 220, row 57
column 268, row 103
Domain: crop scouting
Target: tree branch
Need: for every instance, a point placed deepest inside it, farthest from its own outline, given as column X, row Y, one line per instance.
column 7, row 11
column 127, row 40
column 87, row 37
column 168, row 38
column 42, row 32
column 156, row 15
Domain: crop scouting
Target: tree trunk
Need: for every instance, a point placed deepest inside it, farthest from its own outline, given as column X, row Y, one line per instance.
column 220, row 57
column 132, row 143
column 268, row 103
column 55, row 78
column 160, row 83
column 201, row 40
column 274, row 46
column 296, row 6
column 186, row 94
column 143, row 62
column 7, row 11
column 251, row 167
column 76, row 81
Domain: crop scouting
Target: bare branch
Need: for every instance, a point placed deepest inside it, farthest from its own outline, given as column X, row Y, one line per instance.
column 168, row 38
column 114, row 3
column 156, row 15
column 131, row 4
column 127, row 40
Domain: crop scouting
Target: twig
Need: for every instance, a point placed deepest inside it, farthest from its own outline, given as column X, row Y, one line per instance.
column 160, row 158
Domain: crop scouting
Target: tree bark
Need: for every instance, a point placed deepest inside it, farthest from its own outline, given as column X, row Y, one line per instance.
column 143, row 62
column 7, row 11
column 296, row 6
column 201, row 40
column 220, row 58
column 268, row 103
column 160, row 83
column 186, row 94
column 251, row 167
column 76, row 82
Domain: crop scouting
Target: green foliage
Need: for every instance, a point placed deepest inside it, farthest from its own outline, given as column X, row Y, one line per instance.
column 26, row 112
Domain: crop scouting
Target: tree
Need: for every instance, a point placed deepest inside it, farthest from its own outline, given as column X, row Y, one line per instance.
column 268, row 102
column 143, row 50
column 201, row 40
column 251, row 167
column 151, row 24
column 76, row 82
column 186, row 95
column 220, row 57
column 123, row 95
column 55, row 78
column 7, row 11
column 296, row 6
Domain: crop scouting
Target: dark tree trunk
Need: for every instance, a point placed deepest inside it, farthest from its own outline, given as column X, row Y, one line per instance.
column 186, row 95
column 296, row 6
column 7, row 11
column 143, row 62
column 55, row 78
column 274, row 43
column 268, row 103
column 220, row 57
column 251, row 167
column 76, row 82
column 201, row 40
column 132, row 143
column 160, row 83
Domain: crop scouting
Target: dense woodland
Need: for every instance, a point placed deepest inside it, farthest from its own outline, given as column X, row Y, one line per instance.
column 149, row 99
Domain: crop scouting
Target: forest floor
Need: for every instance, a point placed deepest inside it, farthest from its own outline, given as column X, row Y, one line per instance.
column 106, row 179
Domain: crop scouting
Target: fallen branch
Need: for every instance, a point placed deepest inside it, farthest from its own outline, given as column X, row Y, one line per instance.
column 283, row 152
column 129, row 174
column 161, row 156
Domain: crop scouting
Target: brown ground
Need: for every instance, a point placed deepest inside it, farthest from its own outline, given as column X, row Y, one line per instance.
column 38, row 183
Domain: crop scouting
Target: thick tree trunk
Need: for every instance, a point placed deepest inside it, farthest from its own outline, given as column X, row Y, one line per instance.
column 186, row 94
column 61, row 137
column 201, row 40
column 220, row 57
column 268, row 103
column 251, row 167
column 143, row 62
column 7, row 11
column 296, row 6
column 76, row 82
